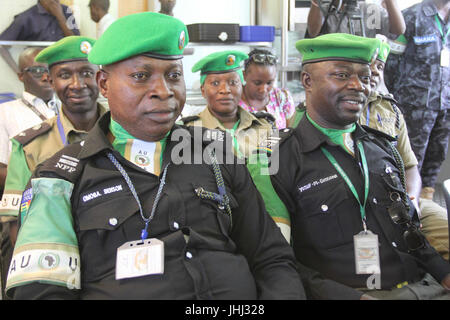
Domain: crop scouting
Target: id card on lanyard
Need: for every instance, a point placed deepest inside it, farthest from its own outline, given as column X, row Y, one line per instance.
column 445, row 53
column 367, row 258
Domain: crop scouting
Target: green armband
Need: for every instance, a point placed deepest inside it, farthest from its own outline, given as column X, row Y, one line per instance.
column 46, row 250
column 17, row 177
column 257, row 165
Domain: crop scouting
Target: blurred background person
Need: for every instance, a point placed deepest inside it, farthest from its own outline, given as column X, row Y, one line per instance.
column 419, row 80
column 35, row 106
column 99, row 14
column 48, row 20
column 383, row 19
column 167, row 7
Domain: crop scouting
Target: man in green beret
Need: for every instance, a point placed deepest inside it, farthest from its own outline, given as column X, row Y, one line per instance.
column 343, row 186
column 124, row 218
column 221, row 81
column 73, row 79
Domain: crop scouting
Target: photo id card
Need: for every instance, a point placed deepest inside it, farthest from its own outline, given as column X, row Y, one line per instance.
column 140, row 258
column 367, row 258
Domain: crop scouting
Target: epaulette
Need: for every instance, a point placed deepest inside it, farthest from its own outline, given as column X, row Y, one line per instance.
column 208, row 135
column 65, row 163
column 265, row 115
column 25, row 137
column 186, row 120
column 388, row 96
column 274, row 140
column 379, row 133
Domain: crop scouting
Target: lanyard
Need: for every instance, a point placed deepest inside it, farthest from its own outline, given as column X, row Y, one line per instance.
column 144, row 232
column 341, row 171
column 444, row 38
column 61, row 130
column 34, row 109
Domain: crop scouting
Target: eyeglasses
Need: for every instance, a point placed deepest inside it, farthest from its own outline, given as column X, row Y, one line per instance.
column 399, row 215
column 263, row 58
column 36, row 71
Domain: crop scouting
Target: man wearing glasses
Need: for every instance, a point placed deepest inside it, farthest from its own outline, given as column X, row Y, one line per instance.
column 35, row 106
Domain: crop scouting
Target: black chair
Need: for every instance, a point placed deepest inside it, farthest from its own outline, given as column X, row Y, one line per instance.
column 446, row 189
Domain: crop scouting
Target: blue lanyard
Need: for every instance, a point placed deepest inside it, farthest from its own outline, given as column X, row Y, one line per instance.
column 144, row 232
column 61, row 129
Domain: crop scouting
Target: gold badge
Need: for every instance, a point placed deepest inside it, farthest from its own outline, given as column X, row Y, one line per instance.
column 231, row 59
column 182, row 40
column 85, row 47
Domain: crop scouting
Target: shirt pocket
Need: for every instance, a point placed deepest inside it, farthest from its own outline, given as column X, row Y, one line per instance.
column 215, row 213
column 327, row 217
column 101, row 232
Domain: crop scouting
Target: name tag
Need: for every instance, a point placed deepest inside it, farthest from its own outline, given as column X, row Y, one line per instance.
column 367, row 257
column 140, row 258
column 425, row 39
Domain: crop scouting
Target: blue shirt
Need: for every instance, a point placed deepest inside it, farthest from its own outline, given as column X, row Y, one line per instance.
column 36, row 24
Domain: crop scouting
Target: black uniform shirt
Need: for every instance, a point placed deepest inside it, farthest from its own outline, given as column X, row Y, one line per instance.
column 207, row 254
column 325, row 215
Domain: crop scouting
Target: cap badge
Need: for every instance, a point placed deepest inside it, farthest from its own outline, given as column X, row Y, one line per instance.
column 231, row 59
column 85, row 47
column 182, row 40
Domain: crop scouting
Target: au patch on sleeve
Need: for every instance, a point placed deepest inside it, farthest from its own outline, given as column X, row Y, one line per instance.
column 26, row 200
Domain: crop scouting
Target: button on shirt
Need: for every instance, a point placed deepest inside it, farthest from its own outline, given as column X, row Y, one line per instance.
column 15, row 117
column 36, row 24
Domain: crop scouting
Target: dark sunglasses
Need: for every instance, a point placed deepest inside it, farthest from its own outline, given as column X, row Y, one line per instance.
column 412, row 237
column 36, row 71
column 263, row 58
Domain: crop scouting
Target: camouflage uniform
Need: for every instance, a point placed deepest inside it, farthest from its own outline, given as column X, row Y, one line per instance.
column 420, row 84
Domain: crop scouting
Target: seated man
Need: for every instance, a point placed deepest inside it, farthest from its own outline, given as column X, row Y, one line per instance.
column 35, row 106
column 118, row 216
column 221, row 86
column 351, row 230
column 73, row 79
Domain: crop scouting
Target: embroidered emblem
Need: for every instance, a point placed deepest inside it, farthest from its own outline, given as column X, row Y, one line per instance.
column 85, row 47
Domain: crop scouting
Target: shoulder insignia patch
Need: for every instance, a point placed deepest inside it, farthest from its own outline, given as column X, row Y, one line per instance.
column 25, row 137
column 64, row 163
column 388, row 96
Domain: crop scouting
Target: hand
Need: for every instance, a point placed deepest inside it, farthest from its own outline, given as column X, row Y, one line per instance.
column 53, row 7
column 446, row 282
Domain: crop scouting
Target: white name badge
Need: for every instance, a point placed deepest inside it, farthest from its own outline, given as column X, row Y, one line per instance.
column 445, row 57
column 140, row 258
column 367, row 258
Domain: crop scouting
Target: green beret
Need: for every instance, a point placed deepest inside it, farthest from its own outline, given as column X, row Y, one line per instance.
column 383, row 52
column 71, row 48
column 147, row 33
column 220, row 62
column 338, row 46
